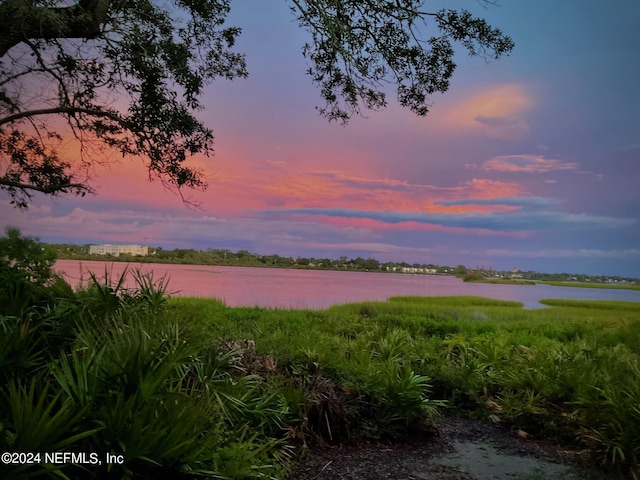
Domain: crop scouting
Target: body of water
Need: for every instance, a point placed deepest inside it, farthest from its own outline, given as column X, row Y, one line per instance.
column 288, row 288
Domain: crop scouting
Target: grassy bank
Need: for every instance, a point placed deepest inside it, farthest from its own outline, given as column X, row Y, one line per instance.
column 479, row 278
column 497, row 281
column 614, row 286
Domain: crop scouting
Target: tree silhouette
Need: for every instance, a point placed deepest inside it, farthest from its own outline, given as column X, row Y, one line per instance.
column 126, row 76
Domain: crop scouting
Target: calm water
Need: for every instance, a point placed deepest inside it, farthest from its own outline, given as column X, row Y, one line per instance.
column 270, row 287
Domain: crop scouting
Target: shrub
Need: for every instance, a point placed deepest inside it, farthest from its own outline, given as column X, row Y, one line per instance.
column 25, row 269
column 110, row 370
column 473, row 277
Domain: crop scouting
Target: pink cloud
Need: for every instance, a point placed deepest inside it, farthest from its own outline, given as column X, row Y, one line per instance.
column 336, row 189
column 525, row 164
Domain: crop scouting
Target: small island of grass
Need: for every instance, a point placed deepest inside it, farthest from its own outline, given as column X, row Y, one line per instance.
column 614, row 286
column 477, row 277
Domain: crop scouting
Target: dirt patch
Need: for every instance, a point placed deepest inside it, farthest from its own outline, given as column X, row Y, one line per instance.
column 460, row 450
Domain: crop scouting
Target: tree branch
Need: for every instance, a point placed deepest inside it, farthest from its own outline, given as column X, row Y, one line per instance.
column 51, row 189
column 19, row 20
column 61, row 110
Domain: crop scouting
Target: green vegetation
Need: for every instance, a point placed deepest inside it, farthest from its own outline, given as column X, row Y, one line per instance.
column 244, row 258
column 570, row 372
column 479, row 278
column 485, row 277
column 113, row 371
column 623, row 286
column 186, row 387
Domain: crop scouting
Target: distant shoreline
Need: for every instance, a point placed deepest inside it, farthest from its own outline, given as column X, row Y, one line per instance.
column 226, row 257
column 467, row 279
column 591, row 285
column 507, row 281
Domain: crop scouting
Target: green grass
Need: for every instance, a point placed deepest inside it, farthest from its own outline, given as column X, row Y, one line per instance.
column 478, row 278
column 570, row 372
column 593, row 285
column 497, row 281
column 615, row 305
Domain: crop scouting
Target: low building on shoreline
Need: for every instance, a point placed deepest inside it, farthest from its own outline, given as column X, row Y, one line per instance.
column 116, row 250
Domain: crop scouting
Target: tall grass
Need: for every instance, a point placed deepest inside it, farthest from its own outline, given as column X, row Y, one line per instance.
column 569, row 372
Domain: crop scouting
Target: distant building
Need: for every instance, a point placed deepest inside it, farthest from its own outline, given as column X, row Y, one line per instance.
column 428, row 271
column 116, row 250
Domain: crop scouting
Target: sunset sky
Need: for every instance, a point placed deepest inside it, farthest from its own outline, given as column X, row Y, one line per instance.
column 532, row 161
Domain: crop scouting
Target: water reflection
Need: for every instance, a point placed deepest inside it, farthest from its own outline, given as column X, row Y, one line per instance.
column 284, row 288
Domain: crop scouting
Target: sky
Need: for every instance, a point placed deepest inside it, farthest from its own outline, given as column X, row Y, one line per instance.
column 532, row 161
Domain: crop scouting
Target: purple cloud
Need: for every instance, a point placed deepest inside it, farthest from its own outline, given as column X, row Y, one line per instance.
column 525, row 219
column 524, row 202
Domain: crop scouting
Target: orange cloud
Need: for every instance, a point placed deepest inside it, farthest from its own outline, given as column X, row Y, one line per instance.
column 498, row 112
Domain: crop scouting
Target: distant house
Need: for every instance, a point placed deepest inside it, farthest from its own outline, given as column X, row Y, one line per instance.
column 116, row 250
column 516, row 273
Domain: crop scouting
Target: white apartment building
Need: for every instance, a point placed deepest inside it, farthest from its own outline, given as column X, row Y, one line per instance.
column 116, row 250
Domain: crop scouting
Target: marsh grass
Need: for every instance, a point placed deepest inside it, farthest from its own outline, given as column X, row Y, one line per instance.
column 569, row 372
column 629, row 286
column 599, row 304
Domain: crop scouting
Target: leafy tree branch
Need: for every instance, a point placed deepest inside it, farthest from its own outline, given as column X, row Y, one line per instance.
column 127, row 76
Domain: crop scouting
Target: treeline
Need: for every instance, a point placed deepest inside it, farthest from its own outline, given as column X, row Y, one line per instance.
column 573, row 277
column 245, row 258
column 557, row 277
